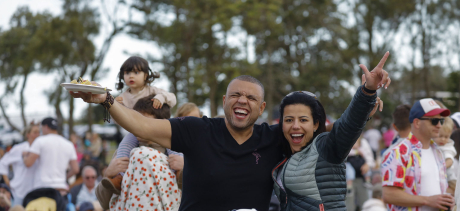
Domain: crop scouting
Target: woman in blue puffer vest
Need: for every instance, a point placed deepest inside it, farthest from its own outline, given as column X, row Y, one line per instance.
column 312, row 176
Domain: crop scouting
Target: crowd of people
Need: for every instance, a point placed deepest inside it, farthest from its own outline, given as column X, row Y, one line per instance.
column 192, row 162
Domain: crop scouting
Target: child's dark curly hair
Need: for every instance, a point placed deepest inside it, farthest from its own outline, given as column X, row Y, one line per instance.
column 136, row 63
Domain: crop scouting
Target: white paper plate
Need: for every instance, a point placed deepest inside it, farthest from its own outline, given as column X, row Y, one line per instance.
column 85, row 88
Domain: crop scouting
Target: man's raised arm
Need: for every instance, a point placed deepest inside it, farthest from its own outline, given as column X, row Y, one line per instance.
column 156, row 130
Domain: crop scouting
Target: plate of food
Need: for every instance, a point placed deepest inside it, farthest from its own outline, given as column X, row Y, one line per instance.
column 85, row 86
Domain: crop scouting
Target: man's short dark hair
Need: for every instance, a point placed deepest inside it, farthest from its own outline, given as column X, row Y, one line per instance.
column 250, row 79
column 401, row 117
column 145, row 106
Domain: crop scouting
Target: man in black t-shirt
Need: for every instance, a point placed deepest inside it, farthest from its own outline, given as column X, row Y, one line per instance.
column 228, row 161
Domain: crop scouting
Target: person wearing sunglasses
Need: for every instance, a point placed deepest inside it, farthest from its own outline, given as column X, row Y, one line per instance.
column 414, row 170
column 85, row 192
column 312, row 174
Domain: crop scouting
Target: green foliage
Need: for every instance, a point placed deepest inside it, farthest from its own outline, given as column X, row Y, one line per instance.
column 309, row 45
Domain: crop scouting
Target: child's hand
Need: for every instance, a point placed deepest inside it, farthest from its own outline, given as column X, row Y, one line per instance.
column 119, row 99
column 176, row 162
column 117, row 165
column 156, row 103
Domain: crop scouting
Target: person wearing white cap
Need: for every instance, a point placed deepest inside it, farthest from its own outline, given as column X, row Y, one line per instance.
column 414, row 171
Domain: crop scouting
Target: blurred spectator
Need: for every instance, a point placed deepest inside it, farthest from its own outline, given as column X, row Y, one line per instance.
column 76, row 141
column 388, row 137
column 86, row 206
column 96, row 146
column 86, row 161
column 87, row 141
column 188, row 109
column 22, row 183
column 456, row 118
column 45, row 199
column 401, row 122
column 350, row 177
column 85, row 192
column 56, row 154
column 456, row 132
column 376, row 202
column 374, row 137
column 104, row 150
column 5, row 197
column 361, row 160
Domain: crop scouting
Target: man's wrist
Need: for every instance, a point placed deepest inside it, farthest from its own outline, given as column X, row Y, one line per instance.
column 424, row 200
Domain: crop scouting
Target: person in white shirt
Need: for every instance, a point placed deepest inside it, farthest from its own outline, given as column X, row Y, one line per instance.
column 54, row 154
column 374, row 137
column 22, row 182
column 375, row 203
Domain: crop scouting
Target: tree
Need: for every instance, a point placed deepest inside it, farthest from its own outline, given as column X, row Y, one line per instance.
column 75, row 54
column 18, row 59
column 196, row 56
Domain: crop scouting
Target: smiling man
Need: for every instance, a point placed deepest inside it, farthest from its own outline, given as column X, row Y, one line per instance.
column 228, row 160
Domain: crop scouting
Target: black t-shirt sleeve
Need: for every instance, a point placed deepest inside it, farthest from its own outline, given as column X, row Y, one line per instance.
column 185, row 131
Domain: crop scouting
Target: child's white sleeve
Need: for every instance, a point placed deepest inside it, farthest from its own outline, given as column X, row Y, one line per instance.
column 164, row 97
column 449, row 154
column 449, row 151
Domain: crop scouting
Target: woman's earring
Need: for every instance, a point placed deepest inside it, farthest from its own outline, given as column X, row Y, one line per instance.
column 314, row 131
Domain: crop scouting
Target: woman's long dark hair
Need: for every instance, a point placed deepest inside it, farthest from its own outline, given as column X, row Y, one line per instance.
column 317, row 111
column 141, row 65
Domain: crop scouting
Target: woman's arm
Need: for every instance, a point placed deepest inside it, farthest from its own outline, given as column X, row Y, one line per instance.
column 348, row 127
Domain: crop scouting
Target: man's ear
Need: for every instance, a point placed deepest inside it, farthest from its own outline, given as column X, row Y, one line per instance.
column 416, row 123
column 262, row 108
column 223, row 100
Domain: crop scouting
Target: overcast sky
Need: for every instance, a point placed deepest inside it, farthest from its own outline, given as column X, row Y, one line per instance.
column 37, row 102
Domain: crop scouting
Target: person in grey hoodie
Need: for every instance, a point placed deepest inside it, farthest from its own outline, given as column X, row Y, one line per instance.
column 312, row 175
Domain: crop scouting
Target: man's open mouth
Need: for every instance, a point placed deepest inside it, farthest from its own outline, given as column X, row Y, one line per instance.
column 240, row 113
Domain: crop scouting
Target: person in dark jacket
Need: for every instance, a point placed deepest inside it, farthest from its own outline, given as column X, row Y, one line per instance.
column 312, row 175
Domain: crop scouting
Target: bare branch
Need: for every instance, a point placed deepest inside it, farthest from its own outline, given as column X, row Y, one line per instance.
column 2, row 108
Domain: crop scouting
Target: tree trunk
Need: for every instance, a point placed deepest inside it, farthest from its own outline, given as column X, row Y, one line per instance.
column 22, row 101
column 213, row 94
column 90, row 117
column 70, row 120
column 426, row 62
column 458, row 96
column 57, row 107
column 369, row 23
column 270, row 87
column 7, row 119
